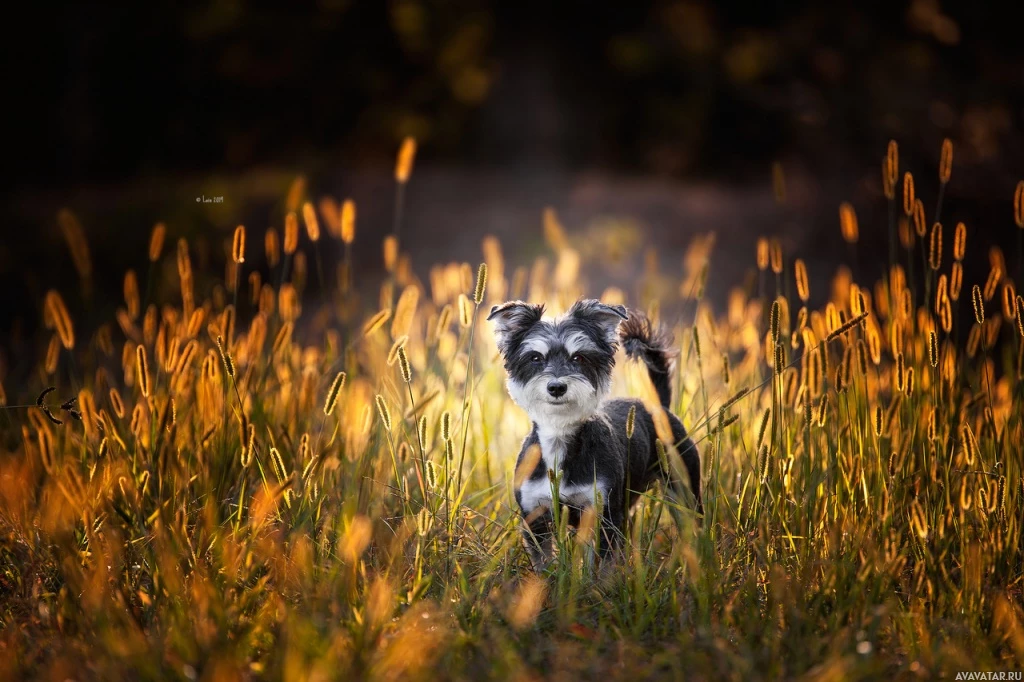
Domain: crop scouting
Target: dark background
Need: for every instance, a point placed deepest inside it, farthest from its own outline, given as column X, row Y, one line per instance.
column 108, row 95
column 671, row 112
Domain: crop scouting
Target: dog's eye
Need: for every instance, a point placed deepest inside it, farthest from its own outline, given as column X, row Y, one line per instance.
column 536, row 358
column 579, row 359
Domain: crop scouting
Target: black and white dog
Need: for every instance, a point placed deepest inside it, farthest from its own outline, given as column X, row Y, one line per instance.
column 559, row 371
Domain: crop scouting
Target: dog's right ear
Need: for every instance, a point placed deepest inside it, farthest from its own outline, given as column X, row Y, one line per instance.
column 511, row 317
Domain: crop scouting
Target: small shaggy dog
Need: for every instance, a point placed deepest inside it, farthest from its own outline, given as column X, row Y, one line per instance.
column 559, row 371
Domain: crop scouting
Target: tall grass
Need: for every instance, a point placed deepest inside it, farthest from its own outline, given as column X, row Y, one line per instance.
column 286, row 486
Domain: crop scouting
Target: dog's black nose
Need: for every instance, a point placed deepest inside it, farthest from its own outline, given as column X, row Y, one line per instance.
column 556, row 389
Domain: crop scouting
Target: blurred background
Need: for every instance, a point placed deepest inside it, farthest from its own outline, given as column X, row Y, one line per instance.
column 645, row 124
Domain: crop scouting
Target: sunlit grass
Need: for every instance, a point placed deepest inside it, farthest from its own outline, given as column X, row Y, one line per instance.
column 257, row 479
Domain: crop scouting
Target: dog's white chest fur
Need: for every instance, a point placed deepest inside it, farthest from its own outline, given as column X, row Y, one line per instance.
column 537, row 492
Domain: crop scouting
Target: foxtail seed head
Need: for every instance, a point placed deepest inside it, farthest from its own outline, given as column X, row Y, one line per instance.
column 892, row 162
column 935, row 247
column 406, row 157
column 376, row 322
column 738, row 396
column 46, row 454
column 802, row 287
column 946, row 161
column 920, row 224
column 421, row 430
column 383, row 411
column 277, row 463
column 403, row 364
column 970, row 444
column 995, row 275
column 1018, row 205
column 348, row 221
column 908, row 194
column 248, row 446
column 762, row 253
column 131, row 294
column 775, row 321
column 630, row 422
column 848, row 223
column 1009, row 300
column 1020, row 315
column 332, row 395
column 659, row 447
column 225, row 357
column 465, row 311
column 764, row 427
column 979, row 304
column 941, row 293
column 312, row 224
column 184, row 262
column 57, row 316
column 116, row 403
column 405, row 311
column 846, row 326
column 291, row 233
column 446, row 425
column 52, row 355
column 272, row 247
column 156, row 242
column 956, row 281
column 238, row 245
column 390, row 252
column 393, row 353
column 481, row 284
column 142, row 369
column 959, row 242
column 776, row 256
column 815, row 371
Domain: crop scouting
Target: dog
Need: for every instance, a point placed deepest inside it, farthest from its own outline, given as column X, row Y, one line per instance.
column 559, row 371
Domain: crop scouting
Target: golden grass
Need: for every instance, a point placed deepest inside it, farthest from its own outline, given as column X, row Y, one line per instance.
column 320, row 487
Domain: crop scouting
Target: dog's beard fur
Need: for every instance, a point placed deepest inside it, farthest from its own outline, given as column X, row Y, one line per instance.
column 557, row 418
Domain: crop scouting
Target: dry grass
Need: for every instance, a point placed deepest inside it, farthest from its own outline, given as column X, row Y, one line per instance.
column 221, row 502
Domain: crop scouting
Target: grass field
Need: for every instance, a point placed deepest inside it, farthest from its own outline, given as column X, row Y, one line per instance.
column 260, row 482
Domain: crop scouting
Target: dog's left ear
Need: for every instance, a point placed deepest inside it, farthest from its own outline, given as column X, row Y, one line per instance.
column 606, row 317
column 512, row 317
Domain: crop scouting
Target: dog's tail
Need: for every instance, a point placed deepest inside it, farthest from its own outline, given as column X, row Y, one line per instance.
column 643, row 341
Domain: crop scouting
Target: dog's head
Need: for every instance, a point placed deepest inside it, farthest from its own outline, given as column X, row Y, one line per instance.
column 560, row 369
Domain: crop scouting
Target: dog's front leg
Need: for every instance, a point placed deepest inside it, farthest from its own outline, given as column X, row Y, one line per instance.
column 538, row 537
